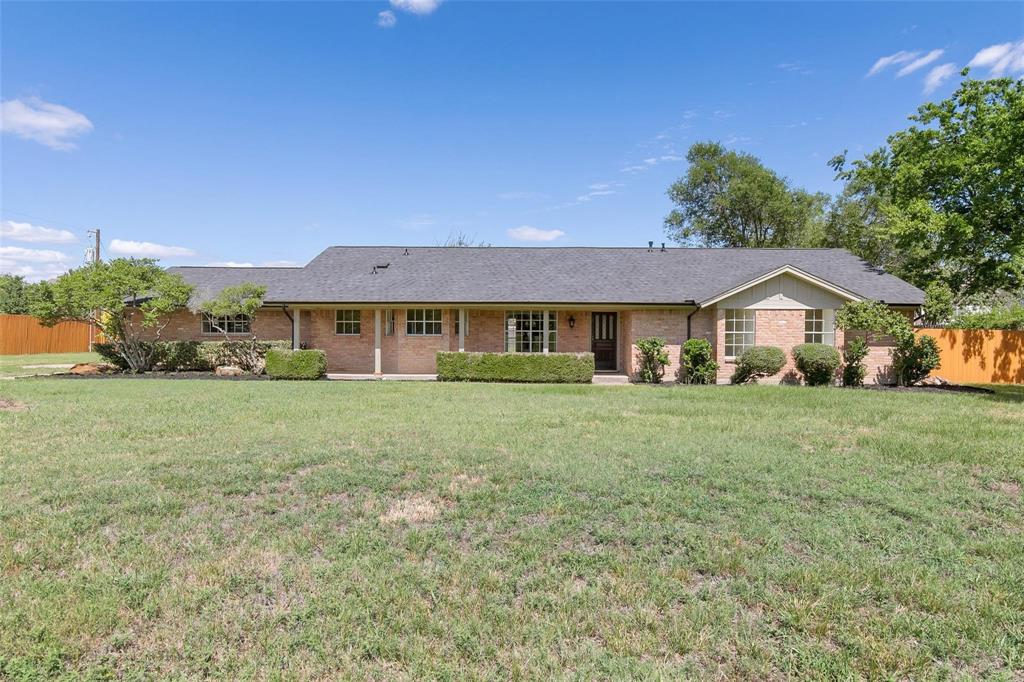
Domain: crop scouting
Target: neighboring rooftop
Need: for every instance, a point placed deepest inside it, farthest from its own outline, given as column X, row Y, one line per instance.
column 584, row 275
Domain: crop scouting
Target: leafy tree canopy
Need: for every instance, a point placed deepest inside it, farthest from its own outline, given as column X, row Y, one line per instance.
column 728, row 198
column 242, row 299
column 121, row 298
column 944, row 199
column 13, row 297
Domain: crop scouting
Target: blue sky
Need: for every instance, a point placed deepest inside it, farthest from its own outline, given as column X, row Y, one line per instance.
column 263, row 132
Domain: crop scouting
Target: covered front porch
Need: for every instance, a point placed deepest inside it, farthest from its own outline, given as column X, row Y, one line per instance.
column 373, row 342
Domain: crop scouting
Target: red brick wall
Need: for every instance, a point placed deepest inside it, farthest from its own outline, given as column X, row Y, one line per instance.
column 667, row 324
column 184, row 325
column 345, row 353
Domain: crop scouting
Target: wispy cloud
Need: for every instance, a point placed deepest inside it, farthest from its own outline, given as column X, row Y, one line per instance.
column 793, row 67
column 416, row 6
column 901, row 57
column 386, row 19
column 49, row 124
column 528, row 233
column 652, row 161
column 33, row 264
column 736, row 139
column 124, row 247
column 920, row 63
column 937, row 76
column 1000, row 60
column 27, row 232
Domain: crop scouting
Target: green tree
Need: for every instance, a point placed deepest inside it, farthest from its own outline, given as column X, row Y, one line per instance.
column 126, row 299
column 243, row 299
column 938, row 303
column 944, row 199
column 13, row 295
column 729, row 198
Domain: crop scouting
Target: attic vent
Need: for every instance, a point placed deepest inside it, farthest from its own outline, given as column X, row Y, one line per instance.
column 406, row 253
column 377, row 267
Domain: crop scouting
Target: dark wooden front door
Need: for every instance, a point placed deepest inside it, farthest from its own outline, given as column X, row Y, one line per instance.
column 603, row 340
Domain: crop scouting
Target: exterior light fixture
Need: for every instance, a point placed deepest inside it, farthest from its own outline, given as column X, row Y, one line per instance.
column 572, row 322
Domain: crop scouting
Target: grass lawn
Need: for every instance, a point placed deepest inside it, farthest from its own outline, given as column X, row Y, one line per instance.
column 406, row 530
column 22, row 365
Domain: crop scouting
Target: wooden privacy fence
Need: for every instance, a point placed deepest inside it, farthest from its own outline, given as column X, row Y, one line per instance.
column 980, row 356
column 22, row 335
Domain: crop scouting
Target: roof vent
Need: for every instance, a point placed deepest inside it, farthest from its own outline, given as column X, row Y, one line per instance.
column 379, row 267
column 406, row 252
column 650, row 246
column 663, row 247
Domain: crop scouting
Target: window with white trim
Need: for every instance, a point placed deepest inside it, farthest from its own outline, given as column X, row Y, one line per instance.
column 529, row 331
column 423, row 322
column 819, row 327
column 226, row 324
column 739, row 331
column 347, row 322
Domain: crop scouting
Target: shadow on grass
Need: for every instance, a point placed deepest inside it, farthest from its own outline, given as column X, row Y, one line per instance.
column 1004, row 393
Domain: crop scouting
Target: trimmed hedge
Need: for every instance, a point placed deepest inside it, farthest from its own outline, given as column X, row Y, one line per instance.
column 551, row 368
column 817, row 363
column 758, row 362
column 296, row 364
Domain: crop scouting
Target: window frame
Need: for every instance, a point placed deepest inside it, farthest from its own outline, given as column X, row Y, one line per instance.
column 419, row 324
column 819, row 323
column 531, row 339
column 748, row 318
column 206, row 325
column 354, row 322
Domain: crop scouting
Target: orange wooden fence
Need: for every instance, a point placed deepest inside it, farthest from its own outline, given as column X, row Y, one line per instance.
column 980, row 356
column 22, row 334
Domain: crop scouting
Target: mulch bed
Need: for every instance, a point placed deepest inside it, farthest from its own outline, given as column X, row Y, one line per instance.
column 164, row 375
column 948, row 388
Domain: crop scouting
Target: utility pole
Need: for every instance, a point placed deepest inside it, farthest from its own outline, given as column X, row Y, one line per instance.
column 95, row 259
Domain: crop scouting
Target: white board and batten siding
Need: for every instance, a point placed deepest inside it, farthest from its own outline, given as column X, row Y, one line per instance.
column 783, row 292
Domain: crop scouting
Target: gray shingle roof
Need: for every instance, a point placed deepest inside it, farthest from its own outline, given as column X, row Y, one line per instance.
column 585, row 275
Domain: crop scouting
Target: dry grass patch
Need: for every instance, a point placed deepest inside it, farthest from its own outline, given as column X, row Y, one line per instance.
column 8, row 405
column 415, row 509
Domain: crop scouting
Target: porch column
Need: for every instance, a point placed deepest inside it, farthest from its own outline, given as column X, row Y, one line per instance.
column 376, row 341
column 296, row 331
column 462, row 330
column 545, row 332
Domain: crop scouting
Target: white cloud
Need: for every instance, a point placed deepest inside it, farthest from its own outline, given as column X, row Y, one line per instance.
column 279, row 264
column 416, row 6
column 937, row 76
column 386, row 19
column 920, row 63
column 19, row 254
column 50, row 124
column 901, row 57
column 27, row 232
column 124, row 247
column 526, row 233
column 1001, row 59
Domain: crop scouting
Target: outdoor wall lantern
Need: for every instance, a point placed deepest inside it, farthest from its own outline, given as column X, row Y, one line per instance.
column 572, row 322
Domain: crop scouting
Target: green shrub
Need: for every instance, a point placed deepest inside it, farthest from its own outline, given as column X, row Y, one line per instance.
column 1001, row 317
column 854, row 370
column 248, row 354
column 914, row 358
column 651, row 358
column 296, row 364
column 817, row 363
column 758, row 362
column 109, row 353
column 554, row 368
column 699, row 366
column 182, row 356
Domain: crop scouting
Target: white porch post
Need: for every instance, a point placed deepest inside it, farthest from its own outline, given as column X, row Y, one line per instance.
column 296, row 330
column 545, row 332
column 376, row 341
column 462, row 330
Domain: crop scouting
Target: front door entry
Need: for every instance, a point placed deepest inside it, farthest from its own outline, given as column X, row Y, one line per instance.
column 603, row 340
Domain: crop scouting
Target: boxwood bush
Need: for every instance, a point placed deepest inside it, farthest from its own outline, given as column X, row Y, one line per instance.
column 699, row 366
column 554, row 368
column 296, row 364
column 758, row 362
column 817, row 363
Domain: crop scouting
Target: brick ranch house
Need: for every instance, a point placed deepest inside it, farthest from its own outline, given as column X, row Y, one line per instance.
column 387, row 309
